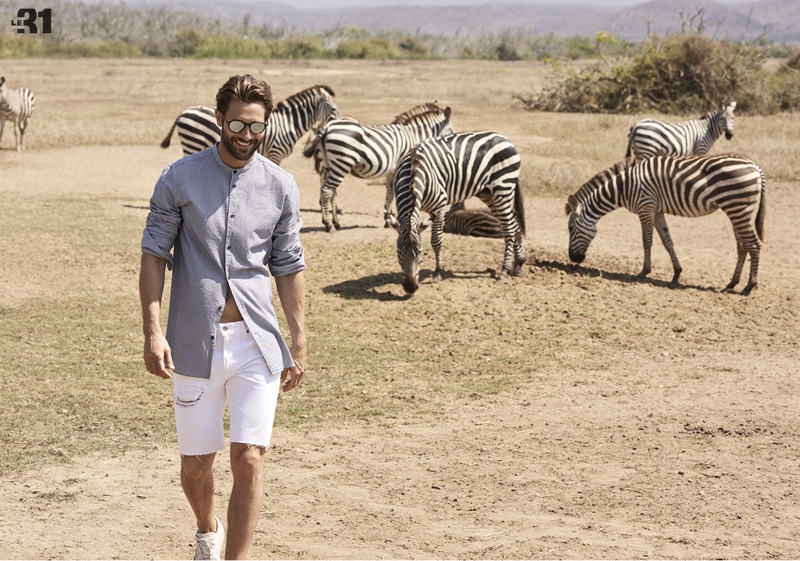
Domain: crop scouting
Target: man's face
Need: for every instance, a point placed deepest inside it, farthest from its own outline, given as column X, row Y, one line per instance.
column 242, row 145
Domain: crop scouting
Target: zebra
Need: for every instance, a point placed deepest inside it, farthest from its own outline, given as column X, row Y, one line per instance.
column 290, row 119
column 479, row 223
column 451, row 169
column 649, row 137
column 345, row 146
column 16, row 106
column 683, row 186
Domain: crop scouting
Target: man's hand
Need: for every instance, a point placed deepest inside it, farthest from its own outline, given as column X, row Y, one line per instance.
column 158, row 356
column 290, row 377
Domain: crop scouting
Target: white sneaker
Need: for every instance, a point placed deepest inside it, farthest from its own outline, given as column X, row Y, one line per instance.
column 209, row 545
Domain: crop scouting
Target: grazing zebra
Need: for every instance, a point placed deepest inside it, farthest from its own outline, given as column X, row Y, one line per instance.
column 479, row 223
column 16, row 106
column 649, row 137
column 290, row 119
column 684, row 186
column 345, row 146
column 451, row 169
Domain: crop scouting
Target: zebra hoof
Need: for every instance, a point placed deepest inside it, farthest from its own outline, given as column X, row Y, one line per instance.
column 748, row 289
column 503, row 277
column 437, row 277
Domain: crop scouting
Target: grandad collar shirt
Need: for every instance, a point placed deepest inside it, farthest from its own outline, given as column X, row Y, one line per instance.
column 223, row 229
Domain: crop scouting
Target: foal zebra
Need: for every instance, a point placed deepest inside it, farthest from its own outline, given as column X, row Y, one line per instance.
column 345, row 146
column 684, row 186
column 16, row 106
column 479, row 223
column 451, row 169
column 649, row 137
column 290, row 119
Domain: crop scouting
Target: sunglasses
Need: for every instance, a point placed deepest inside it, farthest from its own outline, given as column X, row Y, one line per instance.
column 238, row 126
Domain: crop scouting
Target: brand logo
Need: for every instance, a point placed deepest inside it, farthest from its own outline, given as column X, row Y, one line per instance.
column 29, row 20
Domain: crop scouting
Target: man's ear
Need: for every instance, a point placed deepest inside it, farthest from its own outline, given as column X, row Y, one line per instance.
column 218, row 115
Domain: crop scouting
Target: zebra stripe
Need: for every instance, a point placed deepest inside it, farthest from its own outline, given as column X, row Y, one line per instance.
column 345, row 146
column 478, row 223
column 649, row 137
column 683, row 186
column 451, row 169
column 290, row 119
column 16, row 106
column 197, row 129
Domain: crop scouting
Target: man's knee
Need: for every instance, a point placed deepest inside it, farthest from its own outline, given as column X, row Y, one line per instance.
column 197, row 467
column 247, row 459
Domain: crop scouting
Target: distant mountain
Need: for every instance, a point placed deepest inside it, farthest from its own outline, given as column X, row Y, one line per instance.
column 777, row 19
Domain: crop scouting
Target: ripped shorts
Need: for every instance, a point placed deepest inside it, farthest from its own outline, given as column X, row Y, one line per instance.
column 241, row 378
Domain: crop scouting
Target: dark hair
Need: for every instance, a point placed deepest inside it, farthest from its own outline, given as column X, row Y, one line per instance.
column 247, row 89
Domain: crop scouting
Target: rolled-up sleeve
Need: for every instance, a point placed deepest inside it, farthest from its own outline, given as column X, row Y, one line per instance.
column 287, row 251
column 163, row 221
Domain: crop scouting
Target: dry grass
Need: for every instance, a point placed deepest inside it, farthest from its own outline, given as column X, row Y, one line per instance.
column 72, row 380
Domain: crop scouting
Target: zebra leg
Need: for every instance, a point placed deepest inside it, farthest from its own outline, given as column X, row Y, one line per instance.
column 18, row 130
column 437, row 231
column 513, row 239
column 519, row 255
column 666, row 239
column 646, row 220
column 741, row 255
column 327, row 199
column 388, row 215
column 755, row 252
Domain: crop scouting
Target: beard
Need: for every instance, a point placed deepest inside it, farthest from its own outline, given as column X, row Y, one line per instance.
column 239, row 151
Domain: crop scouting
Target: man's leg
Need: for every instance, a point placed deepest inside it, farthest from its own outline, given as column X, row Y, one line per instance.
column 247, row 496
column 197, row 480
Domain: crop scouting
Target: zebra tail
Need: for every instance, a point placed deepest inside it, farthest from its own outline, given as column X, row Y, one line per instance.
column 762, row 210
column 519, row 203
column 311, row 148
column 166, row 141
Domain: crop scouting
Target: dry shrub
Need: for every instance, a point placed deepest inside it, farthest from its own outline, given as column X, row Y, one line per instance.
column 684, row 73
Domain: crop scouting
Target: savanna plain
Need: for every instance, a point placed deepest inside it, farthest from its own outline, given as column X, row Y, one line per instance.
column 575, row 412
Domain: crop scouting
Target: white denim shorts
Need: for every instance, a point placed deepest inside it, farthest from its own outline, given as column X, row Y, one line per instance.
column 239, row 377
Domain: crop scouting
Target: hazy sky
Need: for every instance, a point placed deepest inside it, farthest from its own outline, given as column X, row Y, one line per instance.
column 376, row 3
column 373, row 3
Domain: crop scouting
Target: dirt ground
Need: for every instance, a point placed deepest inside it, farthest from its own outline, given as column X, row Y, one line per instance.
column 688, row 450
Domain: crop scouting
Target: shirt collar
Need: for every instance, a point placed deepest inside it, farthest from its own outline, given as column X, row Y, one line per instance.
column 228, row 168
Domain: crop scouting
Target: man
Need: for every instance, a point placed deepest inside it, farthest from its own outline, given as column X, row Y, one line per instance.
column 232, row 219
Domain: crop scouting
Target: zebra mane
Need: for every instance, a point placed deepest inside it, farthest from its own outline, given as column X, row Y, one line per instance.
column 312, row 89
column 403, row 117
column 601, row 179
column 426, row 116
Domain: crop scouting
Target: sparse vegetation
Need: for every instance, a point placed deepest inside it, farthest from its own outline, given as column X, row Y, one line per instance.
column 678, row 74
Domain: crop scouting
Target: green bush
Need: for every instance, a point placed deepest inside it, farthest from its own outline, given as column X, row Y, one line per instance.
column 374, row 47
column 684, row 73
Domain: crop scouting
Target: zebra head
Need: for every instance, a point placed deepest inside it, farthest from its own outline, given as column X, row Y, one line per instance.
column 326, row 108
column 727, row 120
column 407, row 224
column 409, row 255
column 582, row 229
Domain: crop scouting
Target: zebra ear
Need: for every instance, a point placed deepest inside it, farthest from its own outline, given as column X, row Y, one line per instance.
column 390, row 220
column 732, row 105
column 572, row 204
column 447, row 113
column 425, row 224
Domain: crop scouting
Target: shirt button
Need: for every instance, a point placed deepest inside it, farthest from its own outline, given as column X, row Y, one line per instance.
column 212, row 336
column 232, row 215
column 229, row 247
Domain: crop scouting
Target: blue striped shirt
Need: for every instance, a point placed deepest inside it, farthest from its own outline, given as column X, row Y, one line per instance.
column 229, row 229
